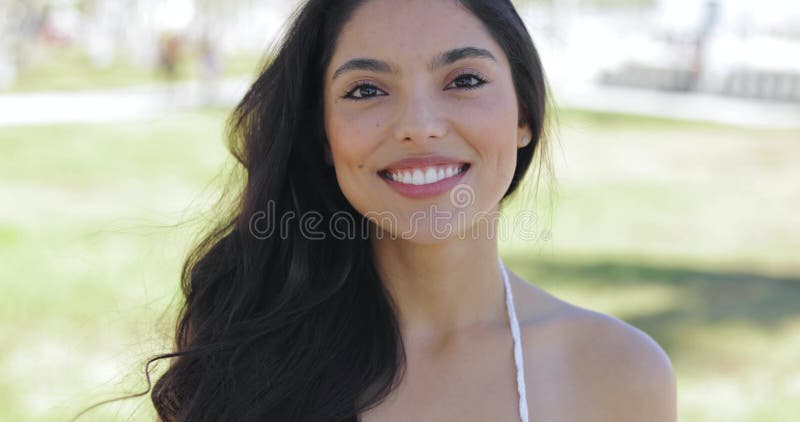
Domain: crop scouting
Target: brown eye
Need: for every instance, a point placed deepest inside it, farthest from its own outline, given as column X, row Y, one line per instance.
column 362, row 92
column 467, row 81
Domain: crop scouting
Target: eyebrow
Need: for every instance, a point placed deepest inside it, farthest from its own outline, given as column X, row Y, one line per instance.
column 443, row 59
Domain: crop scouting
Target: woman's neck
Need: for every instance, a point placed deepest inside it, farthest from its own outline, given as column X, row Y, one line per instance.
column 442, row 290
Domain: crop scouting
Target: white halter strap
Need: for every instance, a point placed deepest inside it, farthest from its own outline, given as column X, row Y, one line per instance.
column 512, row 316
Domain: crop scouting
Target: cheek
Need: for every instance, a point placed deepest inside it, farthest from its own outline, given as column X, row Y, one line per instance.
column 353, row 138
column 492, row 130
column 353, row 135
column 346, row 146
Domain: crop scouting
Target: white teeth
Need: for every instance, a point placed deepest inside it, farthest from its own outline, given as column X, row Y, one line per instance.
column 424, row 176
column 419, row 178
column 430, row 175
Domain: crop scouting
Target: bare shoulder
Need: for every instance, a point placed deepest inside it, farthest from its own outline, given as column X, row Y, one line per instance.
column 608, row 370
column 621, row 369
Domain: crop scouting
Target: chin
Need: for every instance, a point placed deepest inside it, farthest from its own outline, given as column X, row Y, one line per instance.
column 460, row 225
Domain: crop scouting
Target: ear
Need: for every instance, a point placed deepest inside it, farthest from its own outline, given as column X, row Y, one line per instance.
column 524, row 135
column 523, row 138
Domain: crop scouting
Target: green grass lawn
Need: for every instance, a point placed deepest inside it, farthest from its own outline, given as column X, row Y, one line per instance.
column 684, row 230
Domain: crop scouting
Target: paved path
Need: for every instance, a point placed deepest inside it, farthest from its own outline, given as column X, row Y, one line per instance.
column 686, row 106
column 109, row 105
column 145, row 102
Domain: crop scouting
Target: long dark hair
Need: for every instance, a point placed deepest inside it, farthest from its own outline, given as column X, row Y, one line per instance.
column 284, row 327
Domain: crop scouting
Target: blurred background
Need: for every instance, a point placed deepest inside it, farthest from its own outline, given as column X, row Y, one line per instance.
column 675, row 140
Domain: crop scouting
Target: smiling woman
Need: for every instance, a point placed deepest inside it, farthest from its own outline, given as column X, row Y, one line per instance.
column 385, row 136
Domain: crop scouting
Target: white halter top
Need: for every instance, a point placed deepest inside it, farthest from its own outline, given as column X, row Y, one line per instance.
column 512, row 317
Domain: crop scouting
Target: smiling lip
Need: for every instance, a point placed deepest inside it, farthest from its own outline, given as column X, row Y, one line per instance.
column 420, row 163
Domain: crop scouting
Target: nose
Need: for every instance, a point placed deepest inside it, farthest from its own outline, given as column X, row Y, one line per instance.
column 421, row 118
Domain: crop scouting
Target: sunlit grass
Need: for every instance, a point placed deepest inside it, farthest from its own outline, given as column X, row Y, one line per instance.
column 89, row 230
column 684, row 230
column 672, row 191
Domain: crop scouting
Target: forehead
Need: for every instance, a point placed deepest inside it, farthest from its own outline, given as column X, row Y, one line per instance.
column 407, row 30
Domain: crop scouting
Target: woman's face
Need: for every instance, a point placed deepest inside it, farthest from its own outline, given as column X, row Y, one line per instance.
column 421, row 117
